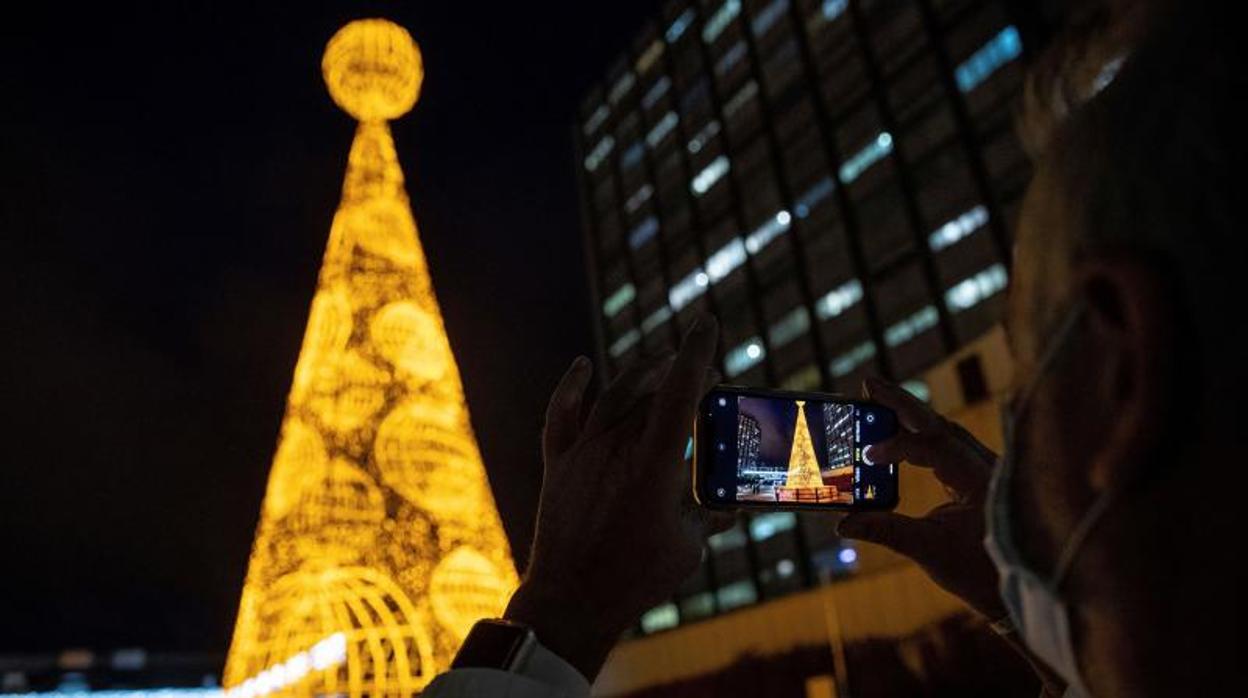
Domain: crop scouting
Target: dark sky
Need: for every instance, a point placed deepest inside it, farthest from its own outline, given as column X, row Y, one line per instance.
column 167, row 180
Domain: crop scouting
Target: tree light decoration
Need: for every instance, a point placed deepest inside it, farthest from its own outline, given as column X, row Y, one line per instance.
column 378, row 529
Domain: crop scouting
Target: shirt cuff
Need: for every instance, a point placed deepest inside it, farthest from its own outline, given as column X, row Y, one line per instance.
column 542, row 675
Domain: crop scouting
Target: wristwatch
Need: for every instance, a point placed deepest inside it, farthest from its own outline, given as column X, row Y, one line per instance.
column 496, row 644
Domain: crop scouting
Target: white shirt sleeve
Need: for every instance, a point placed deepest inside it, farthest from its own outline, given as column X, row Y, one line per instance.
column 543, row 675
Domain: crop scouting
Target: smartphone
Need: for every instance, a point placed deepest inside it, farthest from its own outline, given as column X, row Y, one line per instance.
column 778, row 449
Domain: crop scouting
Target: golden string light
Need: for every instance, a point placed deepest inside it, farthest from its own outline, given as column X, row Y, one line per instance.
column 378, row 528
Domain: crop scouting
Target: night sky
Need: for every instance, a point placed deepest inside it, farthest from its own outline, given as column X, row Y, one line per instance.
column 167, row 181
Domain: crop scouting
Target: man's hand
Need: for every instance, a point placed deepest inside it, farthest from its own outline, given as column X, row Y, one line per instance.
column 617, row 528
column 948, row 543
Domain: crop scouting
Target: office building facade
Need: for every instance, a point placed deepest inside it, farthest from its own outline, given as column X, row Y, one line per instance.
column 835, row 181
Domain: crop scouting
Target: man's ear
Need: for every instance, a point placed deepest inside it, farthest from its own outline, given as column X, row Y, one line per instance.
column 1130, row 316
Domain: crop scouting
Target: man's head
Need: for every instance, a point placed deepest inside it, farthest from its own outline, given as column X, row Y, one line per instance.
column 1132, row 217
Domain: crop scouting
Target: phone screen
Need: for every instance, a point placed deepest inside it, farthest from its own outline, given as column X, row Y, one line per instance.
column 776, row 449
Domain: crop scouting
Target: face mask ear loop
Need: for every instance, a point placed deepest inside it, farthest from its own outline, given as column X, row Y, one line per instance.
column 1075, row 543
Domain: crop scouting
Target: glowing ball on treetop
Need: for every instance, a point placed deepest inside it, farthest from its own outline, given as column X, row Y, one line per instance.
column 373, row 69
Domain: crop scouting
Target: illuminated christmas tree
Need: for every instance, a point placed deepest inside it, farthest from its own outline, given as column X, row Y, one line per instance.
column 379, row 544
column 803, row 464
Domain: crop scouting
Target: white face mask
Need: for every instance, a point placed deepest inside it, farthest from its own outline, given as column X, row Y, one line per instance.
column 1033, row 600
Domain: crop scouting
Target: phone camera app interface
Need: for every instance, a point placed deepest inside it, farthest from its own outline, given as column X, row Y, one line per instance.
column 792, row 451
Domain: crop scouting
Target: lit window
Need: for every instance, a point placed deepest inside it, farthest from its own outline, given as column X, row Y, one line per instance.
column 727, row 540
column 595, row 120
column 730, row 58
column 817, row 192
column 660, row 618
column 632, row 156
column 969, row 292
column 839, row 299
column 616, row 301
column 687, row 289
column 719, row 21
column 650, row 55
column 679, row 26
column 743, row 95
column 644, row 231
column 697, row 606
column 599, row 153
column 621, row 87
column 703, row 137
column 624, row 343
column 768, row 231
column 1000, row 49
column 880, row 146
column 852, row 359
column 725, row 260
column 766, row 18
column 659, row 89
column 709, row 175
column 764, row 526
column 744, row 357
column 1109, row 71
column 638, row 198
column 789, row 327
column 655, row 319
column 832, row 9
column 736, row 595
column 958, row 228
column 908, row 328
column 918, row 389
column 806, row 379
column 661, row 129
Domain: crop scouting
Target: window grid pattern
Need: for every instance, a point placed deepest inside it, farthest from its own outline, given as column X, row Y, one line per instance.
column 699, row 95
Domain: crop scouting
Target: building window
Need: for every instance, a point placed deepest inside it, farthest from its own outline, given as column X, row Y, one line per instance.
column 811, row 197
column 1001, row 49
column 595, row 120
column 687, row 289
column 638, row 198
column 792, row 325
column 655, row 319
column 719, row 21
column 730, row 58
column 967, row 293
column 660, row 618
column 703, row 137
column 958, row 228
column 880, row 146
column 768, row 16
column 743, row 95
column 656, row 92
column 725, row 260
column 616, row 301
column 736, row 595
column 644, row 231
column 621, row 87
column 839, row 299
column 624, row 343
column 599, row 153
column 632, row 156
column 660, row 130
column 852, row 359
column 772, row 228
column 908, row 328
column 650, row 55
column 709, row 175
column 831, row 9
column 678, row 27
column 744, row 357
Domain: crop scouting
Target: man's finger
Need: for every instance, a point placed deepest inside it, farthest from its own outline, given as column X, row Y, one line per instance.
column 914, row 538
column 913, row 414
column 954, row 462
column 563, row 414
column 641, row 379
column 677, row 401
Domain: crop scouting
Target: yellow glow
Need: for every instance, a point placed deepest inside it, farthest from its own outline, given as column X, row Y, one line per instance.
column 803, row 464
column 378, row 523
